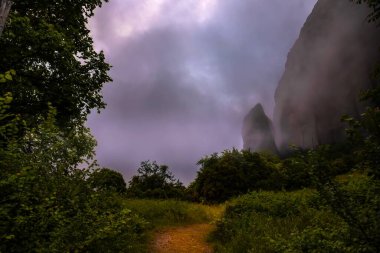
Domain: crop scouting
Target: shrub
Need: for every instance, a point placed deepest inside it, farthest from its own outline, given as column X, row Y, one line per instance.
column 105, row 179
column 47, row 204
column 280, row 222
column 155, row 182
column 232, row 173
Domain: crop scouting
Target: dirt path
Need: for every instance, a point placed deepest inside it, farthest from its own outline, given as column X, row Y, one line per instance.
column 188, row 239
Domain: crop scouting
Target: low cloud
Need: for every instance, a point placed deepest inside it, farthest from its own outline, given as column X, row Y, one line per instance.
column 185, row 74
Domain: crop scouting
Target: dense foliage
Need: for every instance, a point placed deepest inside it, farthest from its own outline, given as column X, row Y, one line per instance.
column 47, row 203
column 232, row 173
column 49, row 46
column 343, row 218
column 154, row 181
column 280, row 222
column 105, row 179
column 52, row 197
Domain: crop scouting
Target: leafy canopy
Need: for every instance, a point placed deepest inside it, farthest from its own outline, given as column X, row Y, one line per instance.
column 49, row 46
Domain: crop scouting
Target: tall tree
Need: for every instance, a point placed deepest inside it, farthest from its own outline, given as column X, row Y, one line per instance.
column 49, row 46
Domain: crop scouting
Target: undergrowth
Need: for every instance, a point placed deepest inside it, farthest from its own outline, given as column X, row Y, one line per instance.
column 302, row 221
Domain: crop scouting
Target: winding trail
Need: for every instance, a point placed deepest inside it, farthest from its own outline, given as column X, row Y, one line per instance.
column 187, row 239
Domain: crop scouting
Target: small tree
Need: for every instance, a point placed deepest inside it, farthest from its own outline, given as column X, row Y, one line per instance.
column 107, row 180
column 154, row 181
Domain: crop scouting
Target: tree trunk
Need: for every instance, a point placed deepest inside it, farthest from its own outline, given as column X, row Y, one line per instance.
column 5, row 7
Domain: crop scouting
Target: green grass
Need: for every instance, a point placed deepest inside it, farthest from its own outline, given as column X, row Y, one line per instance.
column 161, row 213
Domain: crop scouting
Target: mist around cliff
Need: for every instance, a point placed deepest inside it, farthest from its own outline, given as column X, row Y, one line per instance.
column 327, row 69
column 185, row 74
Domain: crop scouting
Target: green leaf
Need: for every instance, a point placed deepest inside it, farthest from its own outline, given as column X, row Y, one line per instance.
column 8, row 76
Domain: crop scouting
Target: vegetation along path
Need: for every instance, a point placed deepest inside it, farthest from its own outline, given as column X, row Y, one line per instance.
column 187, row 239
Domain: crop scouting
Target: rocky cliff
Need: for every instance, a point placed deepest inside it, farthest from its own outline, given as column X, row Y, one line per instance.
column 258, row 131
column 326, row 69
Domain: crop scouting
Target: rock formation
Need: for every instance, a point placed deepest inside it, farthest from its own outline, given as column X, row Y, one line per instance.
column 327, row 68
column 258, row 131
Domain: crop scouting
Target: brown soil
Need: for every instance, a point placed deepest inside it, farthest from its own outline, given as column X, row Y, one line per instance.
column 188, row 239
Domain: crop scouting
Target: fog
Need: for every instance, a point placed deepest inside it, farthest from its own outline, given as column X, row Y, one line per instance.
column 185, row 75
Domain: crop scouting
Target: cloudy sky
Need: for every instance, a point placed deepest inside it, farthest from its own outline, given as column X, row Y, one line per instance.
column 185, row 74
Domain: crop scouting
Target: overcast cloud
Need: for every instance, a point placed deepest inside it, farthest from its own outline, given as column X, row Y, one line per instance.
column 185, row 74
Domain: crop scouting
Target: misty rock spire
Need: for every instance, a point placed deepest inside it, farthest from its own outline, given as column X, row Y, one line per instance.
column 257, row 131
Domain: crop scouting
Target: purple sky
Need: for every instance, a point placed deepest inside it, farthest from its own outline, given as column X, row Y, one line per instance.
column 185, row 74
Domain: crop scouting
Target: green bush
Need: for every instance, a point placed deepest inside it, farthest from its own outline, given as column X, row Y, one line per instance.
column 233, row 173
column 278, row 222
column 47, row 203
column 341, row 217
